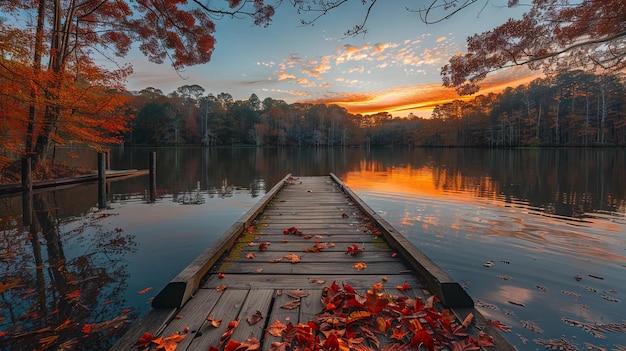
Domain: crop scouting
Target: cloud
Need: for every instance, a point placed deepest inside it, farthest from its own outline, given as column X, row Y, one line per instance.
column 418, row 99
column 285, row 76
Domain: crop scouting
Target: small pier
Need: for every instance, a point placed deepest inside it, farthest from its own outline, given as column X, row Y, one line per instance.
column 311, row 255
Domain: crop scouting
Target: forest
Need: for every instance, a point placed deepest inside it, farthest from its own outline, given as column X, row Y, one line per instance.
column 573, row 108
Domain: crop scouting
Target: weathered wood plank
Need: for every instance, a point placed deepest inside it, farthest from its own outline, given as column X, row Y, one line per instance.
column 257, row 300
column 284, row 315
column 307, row 281
column 309, row 257
column 382, row 268
column 227, row 310
column 193, row 315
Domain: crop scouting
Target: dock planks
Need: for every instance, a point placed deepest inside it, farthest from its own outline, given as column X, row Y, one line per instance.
column 255, row 268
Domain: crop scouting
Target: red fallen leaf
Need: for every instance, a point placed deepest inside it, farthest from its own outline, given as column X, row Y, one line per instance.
column 308, row 236
column 178, row 316
column 232, row 345
column 354, row 249
column 229, row 331
column 87, row 329
column 254, row 318
column 220, row 276
column 399, row 333
column 276, row 328
column 394, row 255
column 422, row 337
column 141, row 292
column 499, row 326
column 146, row 338
column 331, row 343
column 403, row 287
column 213, row 348
column 344, row 215
column 292, row 231
column 3, row 333
column 250, row 344
column 73, row 295
column 170, row 343
column 468, row 320
column 251, row 255
column 263, row 246
column 291, row 304
column 278, row 346
column 221, row 287
column 214, row 323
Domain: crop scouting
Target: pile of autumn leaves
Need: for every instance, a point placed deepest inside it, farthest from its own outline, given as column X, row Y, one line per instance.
column 353, row 321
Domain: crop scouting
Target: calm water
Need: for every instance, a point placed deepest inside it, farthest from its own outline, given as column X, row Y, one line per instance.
column 544, row 229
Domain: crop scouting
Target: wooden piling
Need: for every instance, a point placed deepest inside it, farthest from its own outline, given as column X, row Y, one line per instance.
column 102, row 191
column 152, row 170
column 27, row 191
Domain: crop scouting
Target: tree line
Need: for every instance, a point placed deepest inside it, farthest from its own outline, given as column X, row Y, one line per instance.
column 573, row 108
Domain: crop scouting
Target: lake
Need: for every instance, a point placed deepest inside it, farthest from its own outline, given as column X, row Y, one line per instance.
column 537, row 237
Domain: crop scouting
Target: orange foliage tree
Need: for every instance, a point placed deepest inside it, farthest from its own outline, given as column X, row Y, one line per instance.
column 554, row 35
column 53, row 92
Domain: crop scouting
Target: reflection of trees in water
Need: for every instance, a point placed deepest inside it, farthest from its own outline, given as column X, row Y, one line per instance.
column 62, row 284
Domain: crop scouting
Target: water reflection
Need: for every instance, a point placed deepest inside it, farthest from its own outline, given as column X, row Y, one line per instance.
column 553, row 215
column 59, row 285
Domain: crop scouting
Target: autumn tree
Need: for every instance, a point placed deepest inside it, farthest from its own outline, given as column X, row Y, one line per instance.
column 55, row 72
column 553, row 35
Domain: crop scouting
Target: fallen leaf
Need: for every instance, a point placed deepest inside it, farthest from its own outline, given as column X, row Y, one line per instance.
column 499, row 326
column 317, row 281
column 220, row 276
column 279, row 346
column 403, row 287
column 229, row 331
column 251, row 255
column 254, row 318
column 276, row 328
column 296, row 294
column 141, row 292
column 359, row 266
column 214, row 323
column 146, row 338
column 250, row 344
column 170, row 343
column 291, row 304
column 232, row 345
column 221, row 287
column 516, row 303
column 293, row 258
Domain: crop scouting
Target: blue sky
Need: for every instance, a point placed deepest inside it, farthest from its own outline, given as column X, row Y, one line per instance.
column 394, row 67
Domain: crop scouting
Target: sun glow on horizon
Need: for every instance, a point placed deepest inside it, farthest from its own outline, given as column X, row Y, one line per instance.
column 420, row 100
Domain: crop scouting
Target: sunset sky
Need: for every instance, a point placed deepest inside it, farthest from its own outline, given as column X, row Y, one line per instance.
column 394, row 67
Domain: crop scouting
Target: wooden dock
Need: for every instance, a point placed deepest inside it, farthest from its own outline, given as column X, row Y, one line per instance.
column 44, row 185
column 270, row 279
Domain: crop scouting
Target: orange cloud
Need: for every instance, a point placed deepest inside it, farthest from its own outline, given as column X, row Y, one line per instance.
column 420, row 99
